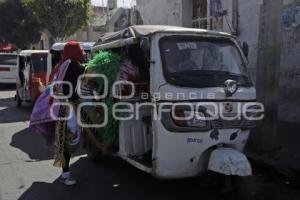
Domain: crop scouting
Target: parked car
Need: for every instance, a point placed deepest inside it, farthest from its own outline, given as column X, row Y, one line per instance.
column 8, row 67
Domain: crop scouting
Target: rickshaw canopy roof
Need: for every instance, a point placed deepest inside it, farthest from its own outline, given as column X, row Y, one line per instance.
column 132, row 33
column 10, row 54
column 59, row 46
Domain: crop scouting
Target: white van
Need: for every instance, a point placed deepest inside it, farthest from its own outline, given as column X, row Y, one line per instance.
column 8, row 67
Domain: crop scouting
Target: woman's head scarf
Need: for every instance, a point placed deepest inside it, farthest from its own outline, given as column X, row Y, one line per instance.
column 73, row 51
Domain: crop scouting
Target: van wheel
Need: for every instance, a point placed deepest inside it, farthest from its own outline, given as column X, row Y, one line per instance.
column 19, row 101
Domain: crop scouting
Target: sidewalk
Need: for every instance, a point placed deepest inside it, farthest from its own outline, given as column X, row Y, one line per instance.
column 285, row 159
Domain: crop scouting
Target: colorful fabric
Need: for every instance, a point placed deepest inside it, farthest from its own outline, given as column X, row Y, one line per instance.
column 60, row 136
column 67, row 136
column 41, row 120
column 108, row 64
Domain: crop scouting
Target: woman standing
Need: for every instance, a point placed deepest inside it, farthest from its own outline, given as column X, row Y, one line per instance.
column 65, row 134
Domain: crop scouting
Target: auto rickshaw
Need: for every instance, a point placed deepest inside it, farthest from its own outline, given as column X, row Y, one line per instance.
column 57, row 49
column 33, row 73
column 197, row 113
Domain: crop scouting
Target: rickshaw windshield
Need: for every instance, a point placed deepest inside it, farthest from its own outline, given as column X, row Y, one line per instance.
column 39, row 63
column 8, row 59
column 202, row 62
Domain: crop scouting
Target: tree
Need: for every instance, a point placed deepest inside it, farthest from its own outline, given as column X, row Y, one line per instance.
column 61, row 18
column 17, row 24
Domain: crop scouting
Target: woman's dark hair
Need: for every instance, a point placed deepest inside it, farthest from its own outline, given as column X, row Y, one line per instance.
column 56, row 57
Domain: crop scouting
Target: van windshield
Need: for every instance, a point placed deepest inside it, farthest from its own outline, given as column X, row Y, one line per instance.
column 202, row 62
column 39, row 62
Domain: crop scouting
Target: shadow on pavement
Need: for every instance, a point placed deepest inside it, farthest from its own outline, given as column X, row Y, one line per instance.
column 10, row 113
column 32, row 144
column 115, row 179
column 7, row 102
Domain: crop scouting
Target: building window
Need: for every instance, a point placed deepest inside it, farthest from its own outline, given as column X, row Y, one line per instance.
column 200, row 14
column 208, row 14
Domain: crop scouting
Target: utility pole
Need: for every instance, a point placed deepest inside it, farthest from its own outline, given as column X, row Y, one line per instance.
column 268, row 72
column 235, row 17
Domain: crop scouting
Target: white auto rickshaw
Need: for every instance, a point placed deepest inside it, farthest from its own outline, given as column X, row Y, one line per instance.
column 200, row 109
column 33, row 73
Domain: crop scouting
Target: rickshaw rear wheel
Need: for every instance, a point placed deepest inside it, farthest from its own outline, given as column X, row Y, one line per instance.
column 94, row 153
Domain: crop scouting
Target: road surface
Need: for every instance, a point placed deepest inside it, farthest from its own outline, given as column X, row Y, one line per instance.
column 26, row 170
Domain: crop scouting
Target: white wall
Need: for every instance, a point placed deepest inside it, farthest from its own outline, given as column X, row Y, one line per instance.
column 187, row 13
column 161, row 12
column 289, row 98
column 249, row 29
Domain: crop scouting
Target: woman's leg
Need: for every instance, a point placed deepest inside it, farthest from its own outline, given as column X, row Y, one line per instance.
column 66, row 177
column 67, row 159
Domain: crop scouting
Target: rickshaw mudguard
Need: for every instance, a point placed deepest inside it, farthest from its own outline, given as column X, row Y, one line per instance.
column 228, row 161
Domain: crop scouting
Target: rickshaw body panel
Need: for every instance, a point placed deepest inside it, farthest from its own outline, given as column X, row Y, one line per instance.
column 182, row 155
column 186, row 154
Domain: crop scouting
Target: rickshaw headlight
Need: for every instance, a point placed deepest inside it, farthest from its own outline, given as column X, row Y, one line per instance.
column 190, row 119
column 197, row 119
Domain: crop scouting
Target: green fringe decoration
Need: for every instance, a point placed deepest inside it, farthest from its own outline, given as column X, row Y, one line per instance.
column 108, row 64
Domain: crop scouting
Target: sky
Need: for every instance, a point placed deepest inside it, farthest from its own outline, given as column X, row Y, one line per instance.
column 121, row 3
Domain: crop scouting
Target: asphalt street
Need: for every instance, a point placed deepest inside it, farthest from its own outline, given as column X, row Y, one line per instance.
column 26, row 170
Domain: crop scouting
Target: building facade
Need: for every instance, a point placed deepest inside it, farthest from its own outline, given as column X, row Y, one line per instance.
column 242, row 18
column 238, row 17
column 289, row 98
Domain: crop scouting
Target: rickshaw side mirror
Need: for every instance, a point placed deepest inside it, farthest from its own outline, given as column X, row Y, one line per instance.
column 145, row 44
